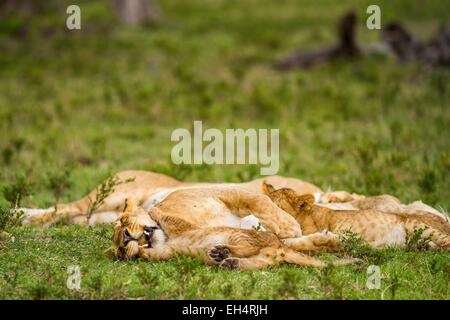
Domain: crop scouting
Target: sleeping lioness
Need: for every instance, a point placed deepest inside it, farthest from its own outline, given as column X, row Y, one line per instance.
column 185, row 224
column 148, row 188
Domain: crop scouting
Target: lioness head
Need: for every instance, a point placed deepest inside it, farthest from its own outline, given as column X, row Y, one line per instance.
column 134, row 230
column 288, row 200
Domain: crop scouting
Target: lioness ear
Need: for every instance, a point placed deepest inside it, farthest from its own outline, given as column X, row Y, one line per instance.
column 110, row 252
column 267, row 188
column 305, row 202
column 116, row 224
column 129, row 206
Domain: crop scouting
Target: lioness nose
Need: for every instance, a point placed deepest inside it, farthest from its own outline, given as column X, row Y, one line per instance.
column 148, row 231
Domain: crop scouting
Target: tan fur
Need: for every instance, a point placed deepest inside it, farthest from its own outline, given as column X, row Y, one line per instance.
column 380, row 229
column 193, row 230
column 387, row 204
column 145, row 185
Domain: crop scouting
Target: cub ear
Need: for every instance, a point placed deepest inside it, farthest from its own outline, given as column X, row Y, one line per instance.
column 267, row 188
column 305, row 202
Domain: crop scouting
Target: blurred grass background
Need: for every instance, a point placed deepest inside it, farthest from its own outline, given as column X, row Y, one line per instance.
column 107, row 98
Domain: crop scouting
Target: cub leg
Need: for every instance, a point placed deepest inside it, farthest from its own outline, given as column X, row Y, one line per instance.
column 271, row 257
column 314, row 243
column 294, row 257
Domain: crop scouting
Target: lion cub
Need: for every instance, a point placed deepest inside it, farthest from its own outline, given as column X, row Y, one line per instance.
column 379, row 229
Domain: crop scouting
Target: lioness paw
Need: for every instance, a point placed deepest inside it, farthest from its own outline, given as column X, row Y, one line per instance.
column 219, row 253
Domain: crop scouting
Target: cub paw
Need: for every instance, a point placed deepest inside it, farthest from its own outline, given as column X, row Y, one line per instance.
column 339, row 196
column 219, row 253
column 328, row 241
column 230, row 263
column 330, row 245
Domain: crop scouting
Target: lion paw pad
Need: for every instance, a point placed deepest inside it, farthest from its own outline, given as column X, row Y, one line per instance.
column 219, row 253
column 230, row 263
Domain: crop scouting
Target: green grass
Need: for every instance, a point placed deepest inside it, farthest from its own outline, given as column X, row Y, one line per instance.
column 34, row 266
column 108, row 98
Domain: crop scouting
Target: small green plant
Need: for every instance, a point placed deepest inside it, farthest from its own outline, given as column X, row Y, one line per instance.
column 9, row 219
column 104, row 191
column 14, row 193
column 58, row 181
column 353, row 245
column 5, row 217
column 393, row 284
column 415, row 241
